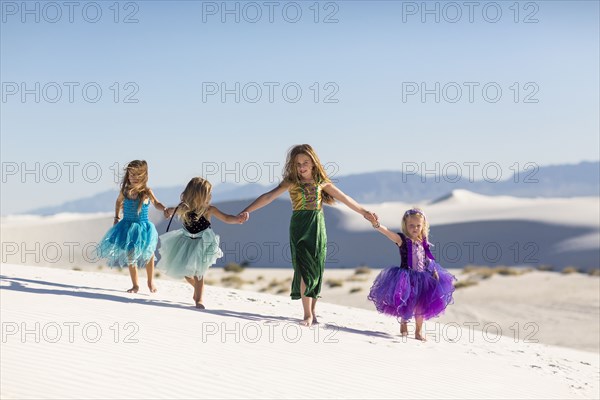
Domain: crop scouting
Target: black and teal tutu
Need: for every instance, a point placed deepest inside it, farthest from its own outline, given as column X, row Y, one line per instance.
column 186, row 254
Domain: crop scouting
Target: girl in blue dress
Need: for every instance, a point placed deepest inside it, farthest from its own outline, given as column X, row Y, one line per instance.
column 132, row 240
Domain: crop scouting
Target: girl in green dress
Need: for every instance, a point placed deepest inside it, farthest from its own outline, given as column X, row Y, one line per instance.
column 309, row 187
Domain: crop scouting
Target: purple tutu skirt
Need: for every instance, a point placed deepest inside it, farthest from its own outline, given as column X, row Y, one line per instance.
column 406, row 293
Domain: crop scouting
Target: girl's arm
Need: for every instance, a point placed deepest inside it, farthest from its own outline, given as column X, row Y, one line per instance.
column 228, row 219
column 266, row 198
column 393, row 236
column 118, row 206
column 337, row 194
column 159, row 206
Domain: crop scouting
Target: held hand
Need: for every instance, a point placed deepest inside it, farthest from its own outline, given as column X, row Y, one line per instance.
column 435, row 275
column 168, row 212
column 371, row 217
column 243, row 217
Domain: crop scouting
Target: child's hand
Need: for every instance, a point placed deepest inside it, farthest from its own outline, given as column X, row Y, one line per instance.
column 243, row 217
column 168, row 212
column 435, row 275
column 371, row 217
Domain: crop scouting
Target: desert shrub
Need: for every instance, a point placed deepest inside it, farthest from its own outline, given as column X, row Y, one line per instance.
column 233, row 267
column 512, row 271
column 355, row 278
column 570, row 270
column 544, row 267
column 465, row 283
column 332, row 283
column 362, row 270
column 232, row 281
column 273, row 283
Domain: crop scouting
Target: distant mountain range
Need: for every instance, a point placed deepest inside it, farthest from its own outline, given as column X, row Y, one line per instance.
column 581, row 179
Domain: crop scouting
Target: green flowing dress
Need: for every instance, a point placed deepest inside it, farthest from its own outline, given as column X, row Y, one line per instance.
column 308, row 239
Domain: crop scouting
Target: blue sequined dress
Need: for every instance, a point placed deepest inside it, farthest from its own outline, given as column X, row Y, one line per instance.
column 133, row 240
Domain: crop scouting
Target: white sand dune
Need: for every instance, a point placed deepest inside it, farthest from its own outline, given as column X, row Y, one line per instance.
column 464, row 206
column 467, row 228
column 546, row 307
column 69, row 334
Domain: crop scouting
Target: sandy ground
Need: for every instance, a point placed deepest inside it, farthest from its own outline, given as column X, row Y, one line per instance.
column 76, row 334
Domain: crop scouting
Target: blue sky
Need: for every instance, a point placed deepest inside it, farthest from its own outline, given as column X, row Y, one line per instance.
column 370, row 63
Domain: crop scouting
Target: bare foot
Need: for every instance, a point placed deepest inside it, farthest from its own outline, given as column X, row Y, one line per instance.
column 152, row 288
column 420, row 337
column 200, row 306
column 403, row 329
column 133, row 289
column 314, row 321
column 307, row 321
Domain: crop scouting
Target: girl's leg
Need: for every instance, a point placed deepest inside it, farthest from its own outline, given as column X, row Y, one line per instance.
column 419, row 325
column 150, row 274
column 189, row 280
column 313, row 312
column 403, row 327
column 134, row 279
column 198, row 291
column 307, row 303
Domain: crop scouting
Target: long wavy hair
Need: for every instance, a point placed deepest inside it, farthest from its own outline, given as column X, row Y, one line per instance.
column 195, row 200
column 140, row 190
column 290, row 171
column 419, row 213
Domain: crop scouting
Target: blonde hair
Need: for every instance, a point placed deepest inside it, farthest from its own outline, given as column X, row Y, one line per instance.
column 290, row 171
column 195, row 200
column 416, row 212
column 140, row 190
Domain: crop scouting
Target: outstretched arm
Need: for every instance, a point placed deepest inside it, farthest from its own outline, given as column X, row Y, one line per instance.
column 393, row 236
column 266, row 198
column 159, row 206
column 342, row 197
column 227, row 218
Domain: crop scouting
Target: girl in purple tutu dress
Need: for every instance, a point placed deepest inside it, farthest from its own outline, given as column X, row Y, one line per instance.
column 419, row 287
